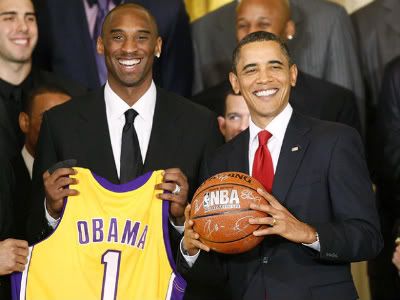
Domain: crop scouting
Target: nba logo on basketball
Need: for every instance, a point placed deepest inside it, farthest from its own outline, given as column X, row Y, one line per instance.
column 221, row 199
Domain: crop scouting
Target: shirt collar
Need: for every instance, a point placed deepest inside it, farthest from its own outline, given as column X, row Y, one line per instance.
column 277, row 127
column 145, row 106
column 28, row 159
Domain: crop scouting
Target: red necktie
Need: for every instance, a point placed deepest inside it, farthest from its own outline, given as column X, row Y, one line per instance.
column 263, row 169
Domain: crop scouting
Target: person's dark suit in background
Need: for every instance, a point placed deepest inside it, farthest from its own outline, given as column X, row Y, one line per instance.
column 384, row 278
column 180, row 134
column 13, row 252
column 321, row 185
column 323, row 46
column 39, row 100
column 66, row 44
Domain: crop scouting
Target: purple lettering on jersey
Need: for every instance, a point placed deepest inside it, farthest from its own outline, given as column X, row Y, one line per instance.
column 130, row 234
column 83, row 232
column 98, row 235
column 113, row 231
column 142, row 239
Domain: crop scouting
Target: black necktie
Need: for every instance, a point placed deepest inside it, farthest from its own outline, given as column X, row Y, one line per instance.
column 131, row 158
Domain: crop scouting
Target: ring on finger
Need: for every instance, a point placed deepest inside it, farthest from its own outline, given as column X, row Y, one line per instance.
column 273, row 222
column 177, row 190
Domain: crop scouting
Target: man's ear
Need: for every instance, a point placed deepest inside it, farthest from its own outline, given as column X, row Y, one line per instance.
column 23, row 120
column 222, row 125
column 293, row 75
column 290, row 30
column 158, row 47
column 234, row 83
column 100, row 45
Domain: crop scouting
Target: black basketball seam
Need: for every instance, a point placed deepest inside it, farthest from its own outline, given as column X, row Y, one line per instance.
column 224, row 213
column 210, row 186
column 201, row 238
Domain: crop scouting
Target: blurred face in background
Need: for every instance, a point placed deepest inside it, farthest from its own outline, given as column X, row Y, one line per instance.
column 236, row 118
column 264, row 15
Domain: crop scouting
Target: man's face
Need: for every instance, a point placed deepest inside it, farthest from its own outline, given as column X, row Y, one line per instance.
column 262, row 15
column 264, row 78
column 30, row 124
column 236, row 117
column 18, row 31
column 129, row 43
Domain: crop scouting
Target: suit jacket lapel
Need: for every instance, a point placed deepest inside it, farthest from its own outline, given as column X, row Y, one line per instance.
column 238, row 159
column 94, row 136
column 294, row 146
column 165, row 134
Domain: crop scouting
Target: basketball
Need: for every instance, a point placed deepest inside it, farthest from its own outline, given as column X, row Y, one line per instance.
column 221, row 210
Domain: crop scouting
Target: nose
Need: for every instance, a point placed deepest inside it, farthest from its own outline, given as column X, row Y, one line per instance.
column 22, row 25
column 264, row 75
column 129, row 46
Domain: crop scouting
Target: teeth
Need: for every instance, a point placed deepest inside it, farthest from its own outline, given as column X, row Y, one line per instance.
column 266, row 93
column 129, row 62
column 21, row 41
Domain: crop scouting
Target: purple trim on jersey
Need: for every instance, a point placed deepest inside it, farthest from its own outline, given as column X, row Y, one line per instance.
column 16, row 285
column 179, row 284
column 125, row 187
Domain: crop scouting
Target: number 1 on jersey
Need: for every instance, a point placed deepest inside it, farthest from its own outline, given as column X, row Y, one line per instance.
column 111, row 260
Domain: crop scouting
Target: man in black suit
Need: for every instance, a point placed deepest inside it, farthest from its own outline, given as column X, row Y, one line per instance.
column 66, row 41
column 13, row 252
column 172, row 133
column 321, row 213
column 311, row 96
column 384, row 277
column 39, row 100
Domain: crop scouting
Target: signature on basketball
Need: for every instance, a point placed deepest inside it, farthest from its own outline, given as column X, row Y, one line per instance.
column 211, row 228
column 242, row 223
column 196, row 206
column 249, row 195
column 221, row 177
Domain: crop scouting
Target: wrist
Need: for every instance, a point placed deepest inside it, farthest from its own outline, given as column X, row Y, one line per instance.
column 312, row 236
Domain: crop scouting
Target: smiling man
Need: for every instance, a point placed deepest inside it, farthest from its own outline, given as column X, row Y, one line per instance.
column 321, row 213
column 168, row 132
column 18, row 38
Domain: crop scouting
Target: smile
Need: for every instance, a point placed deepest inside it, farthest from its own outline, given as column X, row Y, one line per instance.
column 22, row 42
column 265, row 93
column 129, row 62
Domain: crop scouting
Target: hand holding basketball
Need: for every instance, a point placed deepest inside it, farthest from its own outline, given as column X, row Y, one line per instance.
column 191, row 242
column 285, row 224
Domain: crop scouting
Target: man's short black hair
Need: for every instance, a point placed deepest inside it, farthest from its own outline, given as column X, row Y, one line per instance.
column 41, row 89
column 227, row 93
column 259, row 36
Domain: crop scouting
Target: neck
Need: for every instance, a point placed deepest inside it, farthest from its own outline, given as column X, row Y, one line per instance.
column 15, row 73
column 30, row 149
column 130, row 94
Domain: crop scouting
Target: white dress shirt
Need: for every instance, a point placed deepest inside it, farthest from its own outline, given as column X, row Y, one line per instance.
column 28, row 160
column 277, row 127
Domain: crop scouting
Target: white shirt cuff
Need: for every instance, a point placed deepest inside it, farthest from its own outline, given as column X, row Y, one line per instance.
column 52, row 222
column 316, row 246
column 190, row 259
column 179, row 228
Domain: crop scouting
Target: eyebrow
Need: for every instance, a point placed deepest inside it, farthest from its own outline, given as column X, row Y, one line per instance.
column 13, row 13
column 121, row 30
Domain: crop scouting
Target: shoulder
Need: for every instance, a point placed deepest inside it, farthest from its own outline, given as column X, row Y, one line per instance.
column 362, row 15
column 392, row 69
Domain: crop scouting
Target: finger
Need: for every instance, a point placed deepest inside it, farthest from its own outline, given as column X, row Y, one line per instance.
column 60, row 172
column 173, row 170
column 189, row 225
column 19, row 267
column 271, row 199
column 200, row 245
column 171, row 197
column 269, row 209
column 22, row 252
column 187, row 212
column 21, row 259
column 21, row 244
column 262, row 221
column 65, row 181
column 265, row 231
column 167, row 186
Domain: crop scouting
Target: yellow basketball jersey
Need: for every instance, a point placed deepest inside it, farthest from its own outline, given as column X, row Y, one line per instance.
column 112, row 242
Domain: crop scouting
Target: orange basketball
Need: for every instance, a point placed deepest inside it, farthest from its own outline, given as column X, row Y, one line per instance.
column 221, row 210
